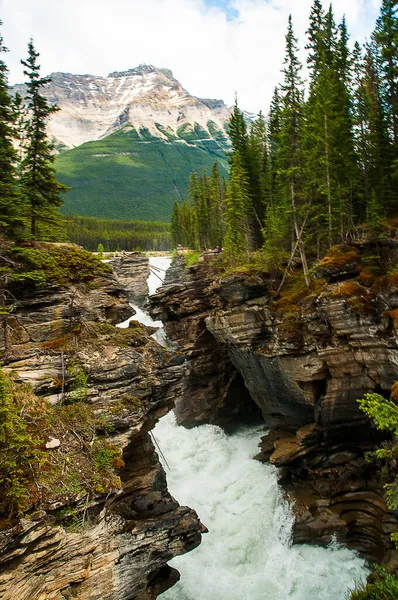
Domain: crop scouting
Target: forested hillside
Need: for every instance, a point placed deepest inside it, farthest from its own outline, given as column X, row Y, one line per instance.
column 130, row 176
column 90, row 233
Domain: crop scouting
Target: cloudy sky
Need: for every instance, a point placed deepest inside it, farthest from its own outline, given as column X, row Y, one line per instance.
column 213, row 47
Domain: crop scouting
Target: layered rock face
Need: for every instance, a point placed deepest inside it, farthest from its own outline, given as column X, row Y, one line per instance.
column 135, row 530
column 305, row 372
column 132, row 271
column 145, row 97
column 213, row 390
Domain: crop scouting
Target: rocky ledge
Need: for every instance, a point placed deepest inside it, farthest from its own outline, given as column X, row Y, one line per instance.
column 303, row 361
column 113, row 544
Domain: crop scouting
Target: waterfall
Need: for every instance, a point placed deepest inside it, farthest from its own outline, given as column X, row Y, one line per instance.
column 160, row 265
column 247, row 553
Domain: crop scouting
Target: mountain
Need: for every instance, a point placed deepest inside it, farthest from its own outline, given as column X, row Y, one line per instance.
column 129, row 141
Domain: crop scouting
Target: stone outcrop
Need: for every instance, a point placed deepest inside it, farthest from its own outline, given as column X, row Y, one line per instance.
column 305, row 371
column 213, row 390
column 133, row 532
column 132, row 271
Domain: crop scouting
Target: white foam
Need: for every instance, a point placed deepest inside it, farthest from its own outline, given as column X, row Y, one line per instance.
column 247, row 554
column 155, row 280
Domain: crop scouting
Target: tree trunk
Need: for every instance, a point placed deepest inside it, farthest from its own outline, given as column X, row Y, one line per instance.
column 298, row 236
column 330, row 224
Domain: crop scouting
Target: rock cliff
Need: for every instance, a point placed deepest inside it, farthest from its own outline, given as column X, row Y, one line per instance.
column 132, row 271
column 304, row 363
column 113, row 544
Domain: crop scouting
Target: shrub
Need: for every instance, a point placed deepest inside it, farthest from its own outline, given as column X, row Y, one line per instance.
column 381, row 585
column 339, row 257
column 191, row 258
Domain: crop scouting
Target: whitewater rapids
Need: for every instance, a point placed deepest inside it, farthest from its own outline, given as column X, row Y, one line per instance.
column 247, row 554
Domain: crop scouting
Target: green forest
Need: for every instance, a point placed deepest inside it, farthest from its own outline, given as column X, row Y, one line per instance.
column 324, row 164
column 127, row 175
column 90, row 232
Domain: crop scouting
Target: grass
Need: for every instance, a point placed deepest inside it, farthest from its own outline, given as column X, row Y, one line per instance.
column 190, row 258
column 124, row 176
column 381, row 586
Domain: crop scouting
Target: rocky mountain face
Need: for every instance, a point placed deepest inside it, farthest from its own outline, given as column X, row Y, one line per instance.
column 130, row 381
column 146, row 98
column 129, row 142
column 305, row 374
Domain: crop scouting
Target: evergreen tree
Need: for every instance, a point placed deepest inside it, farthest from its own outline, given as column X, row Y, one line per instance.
column 290, row 156
column 315, row 34
column 260, row 167
column 385, row 38
column 203, row 216
column 236, row 241
column 11, row 209
column 372, row 135
column 40, row 186
column 237, row 131
column 216, row 209
column 274, row 130
column 175, row 225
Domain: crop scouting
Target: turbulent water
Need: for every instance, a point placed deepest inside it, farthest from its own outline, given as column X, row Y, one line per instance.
column 159, row 265
column 247, row 554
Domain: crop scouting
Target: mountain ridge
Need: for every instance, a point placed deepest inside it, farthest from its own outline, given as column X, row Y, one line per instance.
column 128, row 142
column 92, row 106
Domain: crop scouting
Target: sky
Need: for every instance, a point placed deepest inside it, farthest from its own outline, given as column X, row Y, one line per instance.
column 214, row 47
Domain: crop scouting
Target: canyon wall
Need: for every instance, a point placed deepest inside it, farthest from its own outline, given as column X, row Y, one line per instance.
column 115, row 544
column 304, row 367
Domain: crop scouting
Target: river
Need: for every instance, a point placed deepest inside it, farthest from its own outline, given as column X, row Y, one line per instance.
column 247, row 553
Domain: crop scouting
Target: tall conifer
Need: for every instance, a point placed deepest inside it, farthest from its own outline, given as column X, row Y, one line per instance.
column 236, row 241
column 40, row 186
column 11, row 209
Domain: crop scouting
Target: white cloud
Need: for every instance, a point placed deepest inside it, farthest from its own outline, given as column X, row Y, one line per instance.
column 209, row 54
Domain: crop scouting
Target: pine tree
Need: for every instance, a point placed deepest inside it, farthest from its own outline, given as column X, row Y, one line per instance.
column 237, row 131
column 203, row 216
column 40, row 186
column 371, row 134
column 175, row 225
column 216, row 209
column 385, row 38
column 11, row 208
column 274, row 129
column 236, row 241
column 290, row 155
column 260, row 167
column 316, row 40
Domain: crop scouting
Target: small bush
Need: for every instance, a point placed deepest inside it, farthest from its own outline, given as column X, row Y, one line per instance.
column 191, row 258
column 381, row 585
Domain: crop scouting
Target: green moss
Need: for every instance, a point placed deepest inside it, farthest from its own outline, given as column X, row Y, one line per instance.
column 52, row 264
column 134, row 335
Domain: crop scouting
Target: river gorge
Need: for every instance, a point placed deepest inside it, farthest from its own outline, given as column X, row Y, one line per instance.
column 242, row 445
